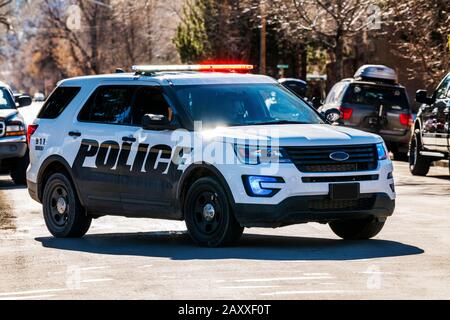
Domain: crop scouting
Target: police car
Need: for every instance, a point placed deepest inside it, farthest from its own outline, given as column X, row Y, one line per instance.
column 212, row 145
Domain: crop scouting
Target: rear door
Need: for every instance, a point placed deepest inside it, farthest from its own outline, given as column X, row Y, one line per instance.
column 94, row 137
column 377, row 108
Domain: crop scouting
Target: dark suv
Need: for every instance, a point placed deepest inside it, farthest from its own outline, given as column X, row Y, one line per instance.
column 375, row 105
column 431, row 139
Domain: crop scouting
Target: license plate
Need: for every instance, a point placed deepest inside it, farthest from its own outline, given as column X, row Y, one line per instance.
column 344, row 191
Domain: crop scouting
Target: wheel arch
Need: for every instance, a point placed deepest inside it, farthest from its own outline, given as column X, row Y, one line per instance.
column 53, row 164
column 195, row 172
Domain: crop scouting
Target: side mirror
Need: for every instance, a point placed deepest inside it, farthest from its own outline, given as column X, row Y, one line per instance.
column 24, row 101
column 332, row 115
column 156, row 122
column 422, row 97
column 316, row 102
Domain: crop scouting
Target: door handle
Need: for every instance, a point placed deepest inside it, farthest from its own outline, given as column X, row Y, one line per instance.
column 128, row 139
column 75, row 134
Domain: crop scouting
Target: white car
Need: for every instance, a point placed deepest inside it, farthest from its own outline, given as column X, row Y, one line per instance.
column 220, row 150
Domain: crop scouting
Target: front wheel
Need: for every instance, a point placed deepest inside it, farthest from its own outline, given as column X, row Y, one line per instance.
column 63, row 213
column 209, row 218
column 358, row 229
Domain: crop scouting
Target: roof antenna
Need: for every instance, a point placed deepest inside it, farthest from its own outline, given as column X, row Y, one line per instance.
column 119, row 70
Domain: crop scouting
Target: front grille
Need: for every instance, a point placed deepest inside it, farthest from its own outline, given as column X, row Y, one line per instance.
column 364, row 203
column 317, row 159
column 2, row 129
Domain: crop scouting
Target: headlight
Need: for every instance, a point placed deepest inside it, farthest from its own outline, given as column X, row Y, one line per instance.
column 255, row 155
column 15, row 126
column 382, row 151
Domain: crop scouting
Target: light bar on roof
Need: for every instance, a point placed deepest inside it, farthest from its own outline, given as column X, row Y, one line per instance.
column 193, row 67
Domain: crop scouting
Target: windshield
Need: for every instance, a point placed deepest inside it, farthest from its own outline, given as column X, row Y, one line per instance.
column 244, row 104
column 394, row 98
column 6, row 101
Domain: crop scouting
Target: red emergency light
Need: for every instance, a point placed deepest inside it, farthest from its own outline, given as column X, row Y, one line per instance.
column 194, row 67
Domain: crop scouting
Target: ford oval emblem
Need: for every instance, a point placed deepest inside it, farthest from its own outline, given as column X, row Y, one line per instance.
column 339, row 156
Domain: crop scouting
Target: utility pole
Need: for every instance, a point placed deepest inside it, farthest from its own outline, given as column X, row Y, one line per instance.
column 263, row 40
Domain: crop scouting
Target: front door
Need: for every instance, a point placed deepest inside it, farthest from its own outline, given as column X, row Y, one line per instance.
column 147, row 174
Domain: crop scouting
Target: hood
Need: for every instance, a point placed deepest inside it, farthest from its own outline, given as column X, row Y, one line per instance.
column 294, row 135
column 5, row 113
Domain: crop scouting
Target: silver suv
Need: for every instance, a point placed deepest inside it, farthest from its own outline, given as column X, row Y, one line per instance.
column 373, row 101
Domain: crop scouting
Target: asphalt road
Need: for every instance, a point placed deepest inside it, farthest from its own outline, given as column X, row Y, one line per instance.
column 152, row 259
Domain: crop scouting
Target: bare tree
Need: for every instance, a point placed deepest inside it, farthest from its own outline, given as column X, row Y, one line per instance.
column 330, row 23
column 421, row 29
column 4, row 14
column 82, row 45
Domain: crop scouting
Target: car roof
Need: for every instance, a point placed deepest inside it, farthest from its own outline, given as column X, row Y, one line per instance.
column 174, row 78
column 375, row 83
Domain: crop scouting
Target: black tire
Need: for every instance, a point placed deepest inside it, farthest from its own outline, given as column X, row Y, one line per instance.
column 358, row 229
column 419, row 165
column 19, row 170
column 209, row 218
column 63, row 213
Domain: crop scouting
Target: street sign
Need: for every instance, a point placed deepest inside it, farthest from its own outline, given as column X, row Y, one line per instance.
column 283, row 66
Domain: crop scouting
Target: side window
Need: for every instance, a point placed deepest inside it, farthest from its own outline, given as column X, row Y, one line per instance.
column 331, row 95
column 441, row 92
column 109, row 104
column 58, row 102
column 340, row 92
column 335, row 93
column 150, row 100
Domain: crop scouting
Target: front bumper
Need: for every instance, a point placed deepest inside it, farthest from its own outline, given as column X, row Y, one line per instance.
column 303, row 209
column 33, row 190
column 12, row 147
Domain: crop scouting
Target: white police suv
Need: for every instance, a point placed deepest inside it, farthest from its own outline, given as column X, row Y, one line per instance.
column 210, row 145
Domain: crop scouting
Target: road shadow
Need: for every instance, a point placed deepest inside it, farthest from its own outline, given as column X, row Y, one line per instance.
column 178, row 246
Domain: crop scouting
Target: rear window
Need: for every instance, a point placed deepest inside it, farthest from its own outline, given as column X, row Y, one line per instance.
column 58, row 102
column 393, row 98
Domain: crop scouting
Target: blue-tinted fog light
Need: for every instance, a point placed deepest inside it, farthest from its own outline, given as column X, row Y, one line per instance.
column 254, row 186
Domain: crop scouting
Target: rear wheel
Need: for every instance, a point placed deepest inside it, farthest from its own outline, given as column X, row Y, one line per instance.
column 419, row 165
column 19, row 170
column 209, row 218
column 63, row 213
column 358, row 229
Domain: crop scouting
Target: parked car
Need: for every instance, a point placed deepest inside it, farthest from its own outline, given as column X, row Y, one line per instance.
column 14, row 157
column 431, row 139
column 373, row 101
column 297, row 86
column 39, row 97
